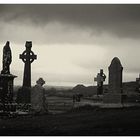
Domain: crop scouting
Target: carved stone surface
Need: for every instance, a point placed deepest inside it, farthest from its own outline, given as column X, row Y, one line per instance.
column 6, row 88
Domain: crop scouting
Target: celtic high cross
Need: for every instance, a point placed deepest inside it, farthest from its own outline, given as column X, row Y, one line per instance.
column 27, row 57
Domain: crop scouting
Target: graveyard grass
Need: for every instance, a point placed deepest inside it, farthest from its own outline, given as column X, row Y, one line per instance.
column 87, row 120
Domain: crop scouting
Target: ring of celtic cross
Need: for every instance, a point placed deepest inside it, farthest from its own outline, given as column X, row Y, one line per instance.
column 31, row 56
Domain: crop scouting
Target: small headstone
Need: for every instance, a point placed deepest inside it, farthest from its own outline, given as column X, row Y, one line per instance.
column 38, row 99
column 114, row 94
column 100, row 79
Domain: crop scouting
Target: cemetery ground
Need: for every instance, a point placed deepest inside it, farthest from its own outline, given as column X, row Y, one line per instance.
column 83, row 121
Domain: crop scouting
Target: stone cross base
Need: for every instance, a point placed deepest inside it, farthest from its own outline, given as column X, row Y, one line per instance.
column 24, row 95
column 112, row 98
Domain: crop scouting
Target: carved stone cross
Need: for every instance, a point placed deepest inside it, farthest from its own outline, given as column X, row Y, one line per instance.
column 100, row 79
column 27, row 57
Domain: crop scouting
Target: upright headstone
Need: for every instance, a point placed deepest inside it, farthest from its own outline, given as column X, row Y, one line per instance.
column 38, row 100
column 6, row 81
column 27, row 57
column 100, row 79
column 114, row 94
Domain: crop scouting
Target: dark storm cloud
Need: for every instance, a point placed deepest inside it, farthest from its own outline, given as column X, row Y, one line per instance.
column 120, row 20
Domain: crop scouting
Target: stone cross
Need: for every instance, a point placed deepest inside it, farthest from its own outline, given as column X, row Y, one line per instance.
column 100, row 79
column 27, row 57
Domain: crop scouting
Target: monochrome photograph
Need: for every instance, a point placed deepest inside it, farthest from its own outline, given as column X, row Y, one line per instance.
column 69, row 69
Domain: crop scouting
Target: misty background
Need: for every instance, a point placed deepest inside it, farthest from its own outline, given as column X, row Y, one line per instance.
column 72, row 41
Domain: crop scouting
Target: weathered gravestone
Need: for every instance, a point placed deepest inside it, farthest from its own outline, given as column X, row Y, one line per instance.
column 38, row 100
column 24, row 93
column 114, row 94
column 6, row 81
column 100, row 79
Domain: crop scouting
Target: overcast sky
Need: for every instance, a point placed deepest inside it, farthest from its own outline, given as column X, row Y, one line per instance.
column 72, row 42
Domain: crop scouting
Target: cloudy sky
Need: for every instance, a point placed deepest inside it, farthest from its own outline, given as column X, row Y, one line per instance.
column 72, row 42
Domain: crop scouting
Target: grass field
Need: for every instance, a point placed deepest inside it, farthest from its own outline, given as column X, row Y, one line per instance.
column 81, row 121
column 59, row 104
column 83, row 118
column 63, row 104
